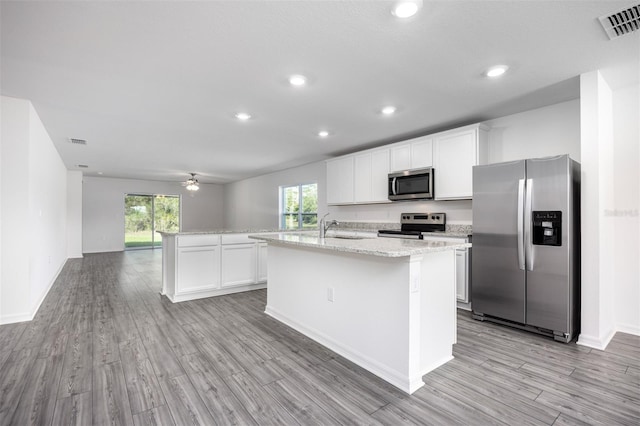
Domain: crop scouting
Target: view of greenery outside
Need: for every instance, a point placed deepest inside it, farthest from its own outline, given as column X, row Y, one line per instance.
column 293, row 217
column 145, row 214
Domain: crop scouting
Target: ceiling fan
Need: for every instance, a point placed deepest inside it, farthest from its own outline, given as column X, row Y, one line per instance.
column 192, row 183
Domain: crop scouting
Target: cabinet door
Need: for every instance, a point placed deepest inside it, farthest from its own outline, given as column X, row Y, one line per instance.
column 400, row 158
column 422, row 153
column 363, row 185
column 239, row 264
column 454, row 155
column 461, row 276
column 198, row 269
column 371, row 174
column 262, row 262
column 380, row 176
column 340, row 179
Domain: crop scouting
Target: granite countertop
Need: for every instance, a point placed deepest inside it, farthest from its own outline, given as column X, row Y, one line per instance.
column 384, row 247
column 224, row 231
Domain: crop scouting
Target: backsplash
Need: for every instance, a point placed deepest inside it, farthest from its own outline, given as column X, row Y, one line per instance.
column 374, row 226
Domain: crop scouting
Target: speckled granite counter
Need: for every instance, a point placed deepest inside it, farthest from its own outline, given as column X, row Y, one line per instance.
column 384, row 247
column 220, row 231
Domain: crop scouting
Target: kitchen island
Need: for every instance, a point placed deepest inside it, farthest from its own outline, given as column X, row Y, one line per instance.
column 388, row 305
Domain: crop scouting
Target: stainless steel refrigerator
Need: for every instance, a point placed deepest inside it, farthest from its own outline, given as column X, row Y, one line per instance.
column 526, row 245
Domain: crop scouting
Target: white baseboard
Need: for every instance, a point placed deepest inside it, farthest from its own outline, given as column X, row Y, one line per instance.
column 10, row 319
column 628, row 328
column 28, row 316
column 596, row 342
column 202, row 294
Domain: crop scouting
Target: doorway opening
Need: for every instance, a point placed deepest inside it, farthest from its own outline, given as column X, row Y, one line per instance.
column 146, row 214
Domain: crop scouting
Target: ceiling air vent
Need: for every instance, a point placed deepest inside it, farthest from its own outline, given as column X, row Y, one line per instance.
column 78, row 141
column 622, row 22
column 83, row 166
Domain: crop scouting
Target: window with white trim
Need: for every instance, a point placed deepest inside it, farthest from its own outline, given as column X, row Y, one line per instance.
column 299, row 206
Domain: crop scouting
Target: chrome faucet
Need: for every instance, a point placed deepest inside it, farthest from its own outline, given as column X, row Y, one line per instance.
column 325, row 226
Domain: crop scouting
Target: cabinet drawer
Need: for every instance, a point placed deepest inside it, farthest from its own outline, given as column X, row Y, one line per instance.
column 198, row 240
column 237, row 239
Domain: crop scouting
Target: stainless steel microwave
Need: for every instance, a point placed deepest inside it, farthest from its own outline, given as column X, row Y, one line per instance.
column 416, row 184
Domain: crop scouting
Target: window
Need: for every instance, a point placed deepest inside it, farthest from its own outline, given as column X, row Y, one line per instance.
column 145, row 214
column 299, row 206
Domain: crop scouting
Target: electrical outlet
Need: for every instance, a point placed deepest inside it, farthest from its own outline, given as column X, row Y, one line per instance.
column 330, row 294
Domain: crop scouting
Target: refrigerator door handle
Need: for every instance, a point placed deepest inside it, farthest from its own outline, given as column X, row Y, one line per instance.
column 521, row 190
column 528, row 254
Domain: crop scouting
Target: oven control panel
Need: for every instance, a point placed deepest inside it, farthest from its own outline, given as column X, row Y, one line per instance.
column 424, row 222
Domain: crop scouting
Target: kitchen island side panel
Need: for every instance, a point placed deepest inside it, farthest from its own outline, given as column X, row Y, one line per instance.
column 376, row 316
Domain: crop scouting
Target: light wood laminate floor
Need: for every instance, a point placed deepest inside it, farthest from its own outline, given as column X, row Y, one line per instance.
column 106, row 348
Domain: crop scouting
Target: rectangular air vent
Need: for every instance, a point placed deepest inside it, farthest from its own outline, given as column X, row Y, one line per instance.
column 622, row 22
column 83, row 166
column 78, row 141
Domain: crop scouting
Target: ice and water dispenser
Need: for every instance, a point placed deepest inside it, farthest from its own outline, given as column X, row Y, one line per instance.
column 547, row 228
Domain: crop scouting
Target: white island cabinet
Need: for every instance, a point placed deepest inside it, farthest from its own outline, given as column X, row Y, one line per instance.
column 198, row 265
column 388, row 305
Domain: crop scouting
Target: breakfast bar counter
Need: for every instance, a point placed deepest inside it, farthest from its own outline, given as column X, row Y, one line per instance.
column 388, row 305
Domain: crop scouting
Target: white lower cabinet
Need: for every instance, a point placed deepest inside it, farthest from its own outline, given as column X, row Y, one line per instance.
column 262, row 262
column 240, row 261
column 462, row 267
column 462, row 276
column 198, row 268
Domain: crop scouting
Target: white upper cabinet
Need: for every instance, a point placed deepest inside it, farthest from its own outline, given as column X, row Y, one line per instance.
column 454, row 154
column 340, row 180
column 413, row 154
column 361, row 178
column 371, row 170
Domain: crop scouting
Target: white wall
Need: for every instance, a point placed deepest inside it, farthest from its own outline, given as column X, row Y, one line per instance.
column 34, row 212
column 74, row 214
column 254, row 203
column 14, row 290
column 542, row 132
column 103, row 209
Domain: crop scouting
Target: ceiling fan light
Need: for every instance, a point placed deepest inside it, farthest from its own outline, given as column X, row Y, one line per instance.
column 192, row 183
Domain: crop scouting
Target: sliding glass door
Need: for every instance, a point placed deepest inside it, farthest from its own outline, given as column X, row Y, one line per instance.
column 146, row 214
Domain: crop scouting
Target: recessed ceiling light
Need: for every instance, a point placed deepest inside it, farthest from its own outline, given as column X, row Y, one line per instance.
column 298, row 80
column 243, row 116
column 388, row 110
column 323, row 133
column 497, row 71
column 405, row 9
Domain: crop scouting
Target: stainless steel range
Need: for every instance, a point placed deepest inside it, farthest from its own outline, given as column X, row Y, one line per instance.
column 412, row 225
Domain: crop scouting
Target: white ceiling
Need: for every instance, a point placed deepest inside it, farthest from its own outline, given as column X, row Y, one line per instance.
column 153, row 86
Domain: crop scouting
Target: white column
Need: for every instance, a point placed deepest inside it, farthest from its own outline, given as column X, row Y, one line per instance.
column 596, row 143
